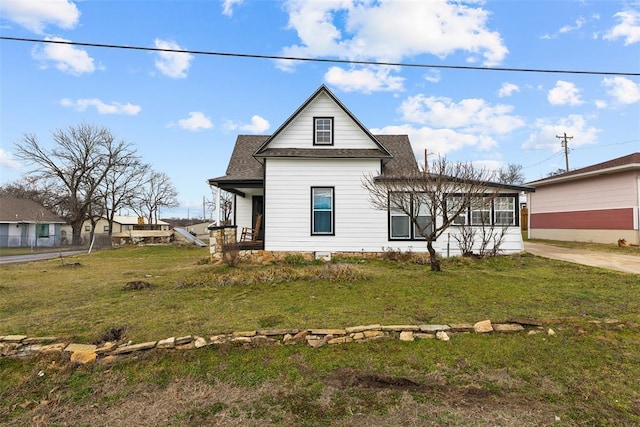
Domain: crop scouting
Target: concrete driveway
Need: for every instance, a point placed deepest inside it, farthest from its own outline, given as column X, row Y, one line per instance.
column 626, row 263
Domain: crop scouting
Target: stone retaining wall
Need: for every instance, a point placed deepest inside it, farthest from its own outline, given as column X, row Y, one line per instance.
column 24, row 346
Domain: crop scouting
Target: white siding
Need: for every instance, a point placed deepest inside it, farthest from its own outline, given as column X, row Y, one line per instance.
column 243, row 210
column 358, row 227
column 299, row 133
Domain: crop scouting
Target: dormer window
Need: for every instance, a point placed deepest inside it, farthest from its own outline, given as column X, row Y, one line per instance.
column 323, row 131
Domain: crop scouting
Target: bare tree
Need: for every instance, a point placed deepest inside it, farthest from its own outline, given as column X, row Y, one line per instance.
column 121, row 185
column 430, row 201
column 76, row 166
column 157, row 193
column 511, row 174
column 226, row 206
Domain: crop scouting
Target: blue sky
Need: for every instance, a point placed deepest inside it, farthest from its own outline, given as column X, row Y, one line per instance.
column 183, row 111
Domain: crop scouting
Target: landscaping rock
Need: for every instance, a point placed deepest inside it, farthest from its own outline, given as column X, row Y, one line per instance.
column 13, row 338
column 316, row 342
column 134, row 347
column 79, row 347
column 167, row 343
column 461, row 327
column 340, row 340
column 442, row 336
column 52, row 348
column 483, row 327
column 328, row 331
column 373, row 334
column 400, row 328
column 274, row 332
column 508, row 327
column 434, row 328
column 406, row 336
column 105, row 348
column 245, row 334
column 83, row 357
column 355, row 329
column 200, row 342
column 551, row 332
column 184, row 340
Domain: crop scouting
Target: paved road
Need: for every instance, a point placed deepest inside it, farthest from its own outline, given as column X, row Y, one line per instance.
column 12, row 259
column 626, row 263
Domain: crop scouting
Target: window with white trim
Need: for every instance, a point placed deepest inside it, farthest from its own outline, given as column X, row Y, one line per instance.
column 322, row 210
column 400, row 225
column 504, row 208
column 454, row 204
column 481, row 211
column 323, row 131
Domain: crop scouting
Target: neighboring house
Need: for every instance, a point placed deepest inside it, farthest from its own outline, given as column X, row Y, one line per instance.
column 120, row 224
column 305, row 183
column 25, row 223
column 598, row 203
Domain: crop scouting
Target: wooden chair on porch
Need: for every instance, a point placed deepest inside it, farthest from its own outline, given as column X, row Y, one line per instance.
column 249, row 234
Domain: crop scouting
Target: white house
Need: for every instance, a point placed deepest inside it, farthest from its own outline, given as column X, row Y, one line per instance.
column 305, row 184
column 25, row 223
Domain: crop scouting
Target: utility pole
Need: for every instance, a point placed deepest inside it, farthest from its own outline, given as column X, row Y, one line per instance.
column 565, row 145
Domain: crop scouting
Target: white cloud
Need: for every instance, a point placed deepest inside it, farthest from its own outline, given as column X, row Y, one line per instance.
column 366, row 80
column 196, row 121
column 172, row 64
column 438, row 141
column 433, row 76
column 469, row 115
column 36, row 15
column 65, row 57
column 258, row 125
column 101, row 107
column 579, row 23
column 565, row 93
column 623, row 90
column 390, row 31
column 508, row 89
column 600, row 103
column 628, row 28
column 546, row 130
column 7, row 160
column 227, row 6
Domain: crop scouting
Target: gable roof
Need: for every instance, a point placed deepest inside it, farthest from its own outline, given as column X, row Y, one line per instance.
column 382, row 151
column 25, row 210
column 620, row 164
column 245, row 170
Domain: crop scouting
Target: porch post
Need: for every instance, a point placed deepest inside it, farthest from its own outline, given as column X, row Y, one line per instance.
column 218, row 210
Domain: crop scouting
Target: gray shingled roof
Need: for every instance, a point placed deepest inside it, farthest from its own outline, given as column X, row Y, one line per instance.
column 25, row 210
column 243, row 166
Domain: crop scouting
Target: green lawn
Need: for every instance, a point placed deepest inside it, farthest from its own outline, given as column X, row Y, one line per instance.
column 584, row 375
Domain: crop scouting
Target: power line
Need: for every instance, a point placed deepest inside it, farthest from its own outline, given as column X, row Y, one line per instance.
column 325, row 60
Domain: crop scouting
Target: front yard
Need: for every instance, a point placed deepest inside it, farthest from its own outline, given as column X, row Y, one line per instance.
column 584, row 374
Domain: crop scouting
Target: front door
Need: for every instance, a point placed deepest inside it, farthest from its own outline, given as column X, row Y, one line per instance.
column 257, row 207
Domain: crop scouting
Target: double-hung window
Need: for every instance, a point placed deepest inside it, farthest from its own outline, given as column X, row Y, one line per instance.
column 400, row 224
column 481, row 211
column 455, row 210
column 43, row 230
column 504, row 210
column 323, row 131
column 322, row 211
